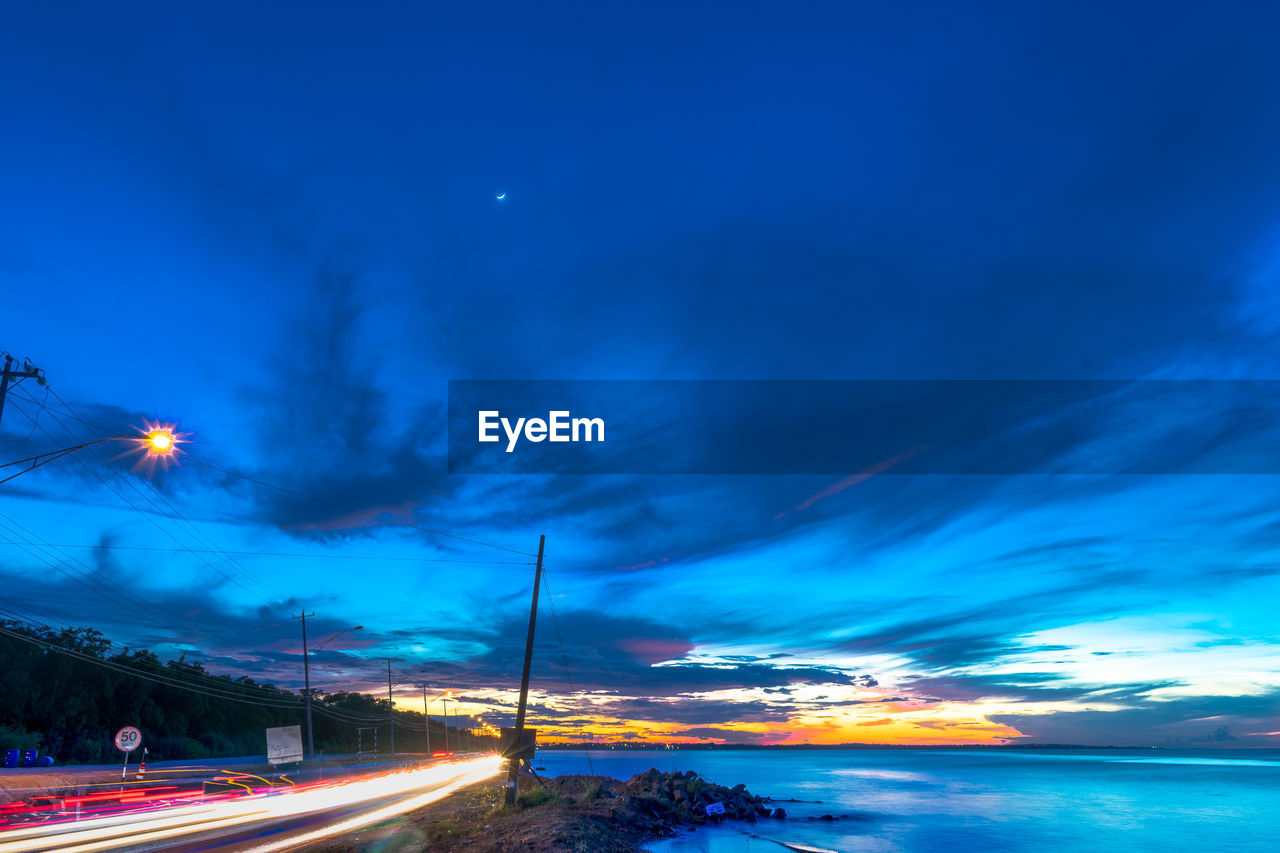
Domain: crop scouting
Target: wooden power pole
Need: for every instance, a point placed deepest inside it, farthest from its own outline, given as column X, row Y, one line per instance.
column 28, row 371
column 306, row 674
column 513, row 762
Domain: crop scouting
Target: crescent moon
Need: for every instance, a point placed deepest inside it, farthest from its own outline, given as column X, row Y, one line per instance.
column 501, row 196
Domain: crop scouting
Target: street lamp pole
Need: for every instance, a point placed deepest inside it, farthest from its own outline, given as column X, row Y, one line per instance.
column 306, row 671
column 391, row 711
column 159, row 442
column 444, row 701
column 306, row 691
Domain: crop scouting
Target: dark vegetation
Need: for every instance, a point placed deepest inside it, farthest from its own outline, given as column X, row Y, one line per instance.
column 66, row 693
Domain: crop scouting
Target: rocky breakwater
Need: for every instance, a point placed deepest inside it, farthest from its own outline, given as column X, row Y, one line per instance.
column 564, row 814
column 686, row 798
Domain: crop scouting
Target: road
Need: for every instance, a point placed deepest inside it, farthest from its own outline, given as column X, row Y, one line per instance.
column 27, row 782
column 260, row 821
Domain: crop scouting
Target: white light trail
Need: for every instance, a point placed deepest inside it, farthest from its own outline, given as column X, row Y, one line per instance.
column 114, row 832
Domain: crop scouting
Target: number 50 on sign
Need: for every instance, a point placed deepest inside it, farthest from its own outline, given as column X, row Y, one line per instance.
column 128, row 739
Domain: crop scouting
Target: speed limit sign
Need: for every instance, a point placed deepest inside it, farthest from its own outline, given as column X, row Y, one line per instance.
column 128, row 739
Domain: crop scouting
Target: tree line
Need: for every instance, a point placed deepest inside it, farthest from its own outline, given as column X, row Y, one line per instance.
column 65, row 693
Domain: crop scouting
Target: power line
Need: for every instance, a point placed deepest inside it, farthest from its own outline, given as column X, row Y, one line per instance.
column 34, row 424
column 363, row 512
column 173, row 514
column 192, row 529
column 224, row 693
column 564, row 657
column 97, row 585
column 216, row 682
column 219, row 684
column 90, row 580
column 260, row 482
column 280, row 600
column 24, row 616
column 225, row 688
column 208, row 691
column 300, row 555
column 148, row 517
column 28, row 371
column 37, row 618
column 350, row 717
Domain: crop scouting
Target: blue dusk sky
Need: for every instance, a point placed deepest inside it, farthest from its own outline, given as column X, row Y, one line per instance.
column 285, row 227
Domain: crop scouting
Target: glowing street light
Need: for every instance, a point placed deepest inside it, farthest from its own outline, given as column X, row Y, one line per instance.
column 158, row 444
column 161, row 442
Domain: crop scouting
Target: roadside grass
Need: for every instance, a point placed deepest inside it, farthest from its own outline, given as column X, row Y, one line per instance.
column 445, row 829
column 526, row 799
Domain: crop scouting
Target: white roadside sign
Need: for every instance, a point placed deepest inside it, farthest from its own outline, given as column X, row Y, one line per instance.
column 284, row 745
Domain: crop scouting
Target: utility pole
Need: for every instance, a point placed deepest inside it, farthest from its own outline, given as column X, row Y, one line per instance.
column 513, row 764
column 306, row 674
column 391, row 711
column 28, row 371
column 428, row 716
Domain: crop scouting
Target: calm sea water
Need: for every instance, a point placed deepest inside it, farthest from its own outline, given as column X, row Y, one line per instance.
column 988, row 800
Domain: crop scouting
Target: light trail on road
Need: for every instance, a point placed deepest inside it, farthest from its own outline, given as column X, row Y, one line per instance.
column 373, row 799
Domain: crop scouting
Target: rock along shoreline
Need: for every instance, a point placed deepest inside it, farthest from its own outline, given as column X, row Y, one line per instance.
column 566, row 814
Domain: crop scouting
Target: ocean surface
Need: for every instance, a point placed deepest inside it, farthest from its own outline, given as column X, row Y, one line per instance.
column 1038, row 801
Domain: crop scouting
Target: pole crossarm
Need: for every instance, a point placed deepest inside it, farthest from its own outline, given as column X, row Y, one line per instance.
column 28, row 371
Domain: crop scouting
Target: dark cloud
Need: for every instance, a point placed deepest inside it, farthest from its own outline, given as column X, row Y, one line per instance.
column 732, row 735
column 584, row 650
column 696, row 711
column 333, row 433
column 983, row 633
column 1222, row 734
column 1024, row 687
column 1189, row 721
column 105, row 471
column 117, row 599
column 996, row 219
column 1037, row 553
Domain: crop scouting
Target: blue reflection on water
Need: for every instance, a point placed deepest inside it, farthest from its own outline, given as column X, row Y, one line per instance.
column 987, row 800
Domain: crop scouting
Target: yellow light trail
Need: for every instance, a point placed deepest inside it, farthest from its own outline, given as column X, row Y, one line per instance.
column 114, row 832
